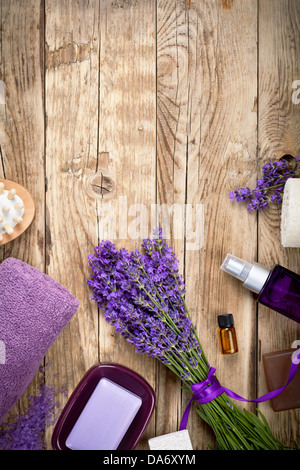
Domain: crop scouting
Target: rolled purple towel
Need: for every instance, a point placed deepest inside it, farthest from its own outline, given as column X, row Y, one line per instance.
column 34, row 309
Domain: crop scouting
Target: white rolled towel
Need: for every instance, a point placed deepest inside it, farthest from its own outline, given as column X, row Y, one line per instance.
column 290, row 214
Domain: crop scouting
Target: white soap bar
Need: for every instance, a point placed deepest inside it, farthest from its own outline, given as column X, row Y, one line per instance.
column 179, row 440
column 105, row 418
column 290, row 214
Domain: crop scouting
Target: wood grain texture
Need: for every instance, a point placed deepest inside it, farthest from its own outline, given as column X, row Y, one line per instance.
column 279, row 130
column 127, row 133
column 71, row 95
column 207, row 69
column 122, row 113
column 22, row 127
column 225, row 155
column 172, row 71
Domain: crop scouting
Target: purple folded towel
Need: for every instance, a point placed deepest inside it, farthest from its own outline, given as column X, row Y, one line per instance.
column 34, row 309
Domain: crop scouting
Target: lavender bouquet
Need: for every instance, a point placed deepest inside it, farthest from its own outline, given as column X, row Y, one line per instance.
column 270, row 187
column 143, row 297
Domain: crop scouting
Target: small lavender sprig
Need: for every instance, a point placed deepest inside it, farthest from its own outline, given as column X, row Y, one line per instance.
column 27, row 431
column 142, row 295
column 269, row 188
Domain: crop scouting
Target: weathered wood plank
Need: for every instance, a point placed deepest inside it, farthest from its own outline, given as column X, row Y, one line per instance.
column 71, row 94
column 172, row 108
column 127, row 133
column 106, row 118
column 207, row 67
column 22, row 125
column 222, row 151
column 278, row 130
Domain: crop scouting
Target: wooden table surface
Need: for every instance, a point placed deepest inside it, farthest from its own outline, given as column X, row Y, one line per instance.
column 117, row 108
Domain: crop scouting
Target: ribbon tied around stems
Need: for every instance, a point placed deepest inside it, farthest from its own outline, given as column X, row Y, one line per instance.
column 210, row 388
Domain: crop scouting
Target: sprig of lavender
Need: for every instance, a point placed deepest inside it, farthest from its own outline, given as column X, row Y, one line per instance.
column 269, row 188
column 26, row 431
column 142, row 294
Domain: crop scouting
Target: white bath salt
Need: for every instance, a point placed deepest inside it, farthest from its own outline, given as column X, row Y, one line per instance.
column 179, row 440
column 290, row 214
column 11, row 210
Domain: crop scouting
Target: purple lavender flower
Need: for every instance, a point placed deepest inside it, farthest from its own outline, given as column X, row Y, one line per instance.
column 269, row 188
column 142, row 294
column 26, row 431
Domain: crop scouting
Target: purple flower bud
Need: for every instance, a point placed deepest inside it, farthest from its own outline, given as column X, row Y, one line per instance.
column 142, row 295
column 269, row 188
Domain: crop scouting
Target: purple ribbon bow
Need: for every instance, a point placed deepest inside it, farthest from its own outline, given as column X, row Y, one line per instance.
column 210, row 388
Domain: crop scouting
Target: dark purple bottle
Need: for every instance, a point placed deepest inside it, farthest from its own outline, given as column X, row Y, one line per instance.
column 278, row 288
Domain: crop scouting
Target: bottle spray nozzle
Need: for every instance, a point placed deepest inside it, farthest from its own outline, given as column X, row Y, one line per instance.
column 236, row 267
column 252, row 275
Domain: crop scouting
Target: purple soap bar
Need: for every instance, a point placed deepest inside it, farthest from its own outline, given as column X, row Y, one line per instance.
column 105, row 418
column 116, row 375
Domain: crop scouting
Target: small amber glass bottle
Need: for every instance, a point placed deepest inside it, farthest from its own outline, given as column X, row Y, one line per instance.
column 227, row 334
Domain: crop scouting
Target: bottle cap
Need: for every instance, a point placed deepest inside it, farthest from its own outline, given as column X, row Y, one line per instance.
column 253, row 275
column 225, row 321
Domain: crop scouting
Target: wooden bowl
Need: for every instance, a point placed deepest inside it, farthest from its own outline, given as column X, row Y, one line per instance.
column 29, row 210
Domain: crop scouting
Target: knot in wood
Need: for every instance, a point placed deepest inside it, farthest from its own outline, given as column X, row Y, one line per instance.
column 100, row 185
